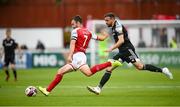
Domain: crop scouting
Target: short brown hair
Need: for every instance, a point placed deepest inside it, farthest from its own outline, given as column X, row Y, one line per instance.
column 8, row 30
column 110, row 14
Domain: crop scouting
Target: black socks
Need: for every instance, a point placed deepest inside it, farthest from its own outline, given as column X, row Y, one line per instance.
column 15, row 74
column 152, row 68
column 105, row 78
column 7, row 74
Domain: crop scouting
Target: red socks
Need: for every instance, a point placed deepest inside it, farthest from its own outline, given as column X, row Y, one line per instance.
column 58, row 77
column 100, row 67
column 56, row 80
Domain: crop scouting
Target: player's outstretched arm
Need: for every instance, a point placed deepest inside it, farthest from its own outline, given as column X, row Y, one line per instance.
column 117, row 44
column 102, row 36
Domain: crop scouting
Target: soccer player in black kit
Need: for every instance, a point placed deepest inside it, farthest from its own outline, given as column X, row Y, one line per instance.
column 9, row 45
column 126, row 52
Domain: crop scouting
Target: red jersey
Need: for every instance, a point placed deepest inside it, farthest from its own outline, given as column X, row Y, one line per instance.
column 82, row 37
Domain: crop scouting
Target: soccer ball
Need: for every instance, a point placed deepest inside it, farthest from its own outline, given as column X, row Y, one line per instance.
column 31, row 91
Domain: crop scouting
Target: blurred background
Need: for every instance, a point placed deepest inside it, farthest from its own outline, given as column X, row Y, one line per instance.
column 42, row 29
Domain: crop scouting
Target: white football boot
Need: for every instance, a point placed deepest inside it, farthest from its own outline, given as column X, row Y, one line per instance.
column 167, row 73
column 95, row 90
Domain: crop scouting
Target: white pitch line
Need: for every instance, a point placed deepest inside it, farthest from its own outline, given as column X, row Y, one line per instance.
column 89, row 106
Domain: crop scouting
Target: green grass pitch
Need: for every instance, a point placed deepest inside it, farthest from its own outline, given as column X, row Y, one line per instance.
column 127, row 87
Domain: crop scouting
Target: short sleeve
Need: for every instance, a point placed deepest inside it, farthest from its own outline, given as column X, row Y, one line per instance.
column 74, row 34
column 15, row 45
column 119, row 30
column 3, row 43
column 94, row 36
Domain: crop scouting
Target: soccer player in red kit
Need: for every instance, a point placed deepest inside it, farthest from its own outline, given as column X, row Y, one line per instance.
column 80, row 38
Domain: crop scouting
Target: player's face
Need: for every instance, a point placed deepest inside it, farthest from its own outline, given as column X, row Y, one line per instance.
column 8, row 33
column 109, row 21
column 73, row 24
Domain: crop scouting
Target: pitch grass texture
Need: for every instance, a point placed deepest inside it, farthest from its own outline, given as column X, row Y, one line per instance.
column 127, row 87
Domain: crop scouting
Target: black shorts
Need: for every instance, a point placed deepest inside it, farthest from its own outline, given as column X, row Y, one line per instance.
column 128, row 55
column 9, row 59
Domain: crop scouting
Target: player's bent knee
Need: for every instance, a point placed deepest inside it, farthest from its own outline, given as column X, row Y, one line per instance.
column 88, row 75
column 139, row 67
column 5, row 68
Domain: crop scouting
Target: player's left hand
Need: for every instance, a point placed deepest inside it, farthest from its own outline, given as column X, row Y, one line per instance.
column 108, row 50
